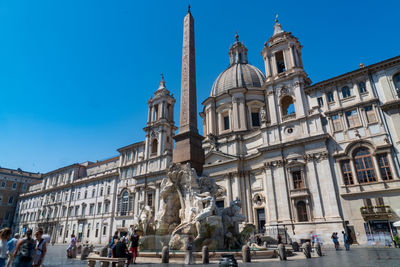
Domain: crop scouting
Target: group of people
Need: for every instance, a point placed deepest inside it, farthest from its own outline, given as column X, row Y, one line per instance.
column 24, row 252
column 121, row 248
column 347, row 240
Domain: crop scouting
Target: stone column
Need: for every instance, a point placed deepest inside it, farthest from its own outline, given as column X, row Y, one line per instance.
column 236, row 121
column 292, row 57
column 270, row 195
column 157, row 199
column 213, row 122
column 282, row 200
column 136, row 208
column 242, row 116
column 353, row 171
column 249, row 197
column 237, row 188
column 229, row 188
column 377, row 171
column 272, row 107
column 331, row 206
column 315, row 190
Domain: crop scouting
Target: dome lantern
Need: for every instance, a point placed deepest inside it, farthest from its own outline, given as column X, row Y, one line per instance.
column 238, row 52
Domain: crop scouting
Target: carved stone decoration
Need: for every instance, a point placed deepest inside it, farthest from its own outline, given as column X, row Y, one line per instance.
column 284, row 91
column 263, row 115
column 154, row 134
column 258, row 199
column 188, row 208
column 213, row 140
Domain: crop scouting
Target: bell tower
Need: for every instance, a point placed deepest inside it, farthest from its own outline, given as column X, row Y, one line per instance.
column 160, row 126
column 285, row 75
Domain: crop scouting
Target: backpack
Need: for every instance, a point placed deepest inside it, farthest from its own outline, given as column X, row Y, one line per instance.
column 26, row 250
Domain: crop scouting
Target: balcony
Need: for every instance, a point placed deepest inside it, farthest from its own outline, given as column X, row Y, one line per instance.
column 299, row 192
column 376, row 213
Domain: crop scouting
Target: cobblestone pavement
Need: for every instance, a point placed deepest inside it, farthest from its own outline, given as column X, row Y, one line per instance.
column 365, row 257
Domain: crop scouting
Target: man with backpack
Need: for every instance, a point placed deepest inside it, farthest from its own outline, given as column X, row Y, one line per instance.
column 25, row 250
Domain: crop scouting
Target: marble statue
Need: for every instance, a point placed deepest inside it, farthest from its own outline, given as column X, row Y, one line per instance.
column 188, row 208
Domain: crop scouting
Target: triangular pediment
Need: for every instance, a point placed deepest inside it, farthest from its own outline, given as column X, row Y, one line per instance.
column 214, row 157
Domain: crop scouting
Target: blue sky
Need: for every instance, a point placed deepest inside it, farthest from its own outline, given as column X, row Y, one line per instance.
column 75, row 76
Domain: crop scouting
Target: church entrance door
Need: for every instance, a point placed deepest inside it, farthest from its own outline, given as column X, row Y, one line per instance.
column 260, row 219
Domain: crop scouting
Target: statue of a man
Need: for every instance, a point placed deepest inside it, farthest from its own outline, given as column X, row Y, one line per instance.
column 205, row 199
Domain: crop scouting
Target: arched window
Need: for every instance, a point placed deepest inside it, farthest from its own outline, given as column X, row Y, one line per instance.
column 364, row 166
column 346, row 92
column 154, row 146
column 396, row 80
column 302, row 211
column 362, row 88
column 287, row 105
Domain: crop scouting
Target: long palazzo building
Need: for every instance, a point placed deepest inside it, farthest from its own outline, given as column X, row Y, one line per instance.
column 303, row 158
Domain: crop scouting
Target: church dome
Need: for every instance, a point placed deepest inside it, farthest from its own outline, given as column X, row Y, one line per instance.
column 239, row 74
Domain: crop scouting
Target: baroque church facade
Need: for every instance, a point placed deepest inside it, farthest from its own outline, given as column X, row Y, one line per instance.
column 303, row 158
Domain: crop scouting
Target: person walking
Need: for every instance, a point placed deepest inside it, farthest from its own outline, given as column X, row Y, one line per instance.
column 12, row 244
column 40, row 248
column 4, row 236
column 25, row 250
column 335, row 240
column 346, row 241
column 71, row 245
column 134, row 245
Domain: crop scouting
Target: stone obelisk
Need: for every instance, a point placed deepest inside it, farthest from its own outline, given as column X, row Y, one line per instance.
column 188, row 142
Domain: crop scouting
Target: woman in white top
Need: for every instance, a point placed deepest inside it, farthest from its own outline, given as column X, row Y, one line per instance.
column 4, row 236
column 40, row 249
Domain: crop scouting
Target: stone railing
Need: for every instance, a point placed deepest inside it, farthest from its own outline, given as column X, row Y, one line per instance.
column 289, row 117
column 376, row 212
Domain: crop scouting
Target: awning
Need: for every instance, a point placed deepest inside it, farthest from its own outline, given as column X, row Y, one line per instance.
column 396, row 224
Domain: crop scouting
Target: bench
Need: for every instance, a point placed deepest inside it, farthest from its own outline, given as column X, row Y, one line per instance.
column 105, row 261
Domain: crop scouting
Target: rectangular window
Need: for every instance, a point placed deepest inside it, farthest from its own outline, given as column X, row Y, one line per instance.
column 91, row 209
column 362, row 88
column 320, row 101
column 11, row 200
column 255, row 119
column 297, row 180
column 99, row 208
column 106, row 207
column 150, row 200
column 337, row 125
column 226, row 122
column 76, row 210
column 331, row 98
column 93, row 192
column 370, row 112
column 352, row 118
column 346, row 92
column 104, row 230
column 280, row 62
column 3, row 184
column 70, row 211
column 346, row 172
column 14, row 186
column 384, row 167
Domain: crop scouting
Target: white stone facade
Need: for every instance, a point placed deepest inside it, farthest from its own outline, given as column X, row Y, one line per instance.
column 308, row 158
